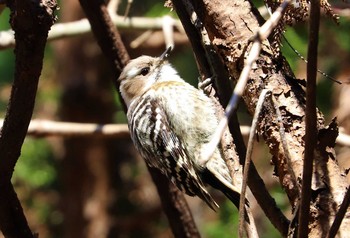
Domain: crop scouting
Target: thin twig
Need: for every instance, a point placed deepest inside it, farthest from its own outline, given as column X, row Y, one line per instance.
column 343, row 139
column 113, row 6
column 310, row 120
column 127, row 10
column 252, row 135
column 168, row 31
column 340, row 215
column 141, row 39
column 305, row 60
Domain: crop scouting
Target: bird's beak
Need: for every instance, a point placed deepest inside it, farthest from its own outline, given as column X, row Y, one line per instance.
column 165, row 54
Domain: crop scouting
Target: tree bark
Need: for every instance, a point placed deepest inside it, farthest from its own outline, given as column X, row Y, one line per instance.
column 31, row 21
column 230, row 26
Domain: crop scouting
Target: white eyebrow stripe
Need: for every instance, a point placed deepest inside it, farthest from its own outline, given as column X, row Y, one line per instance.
column 133, row 72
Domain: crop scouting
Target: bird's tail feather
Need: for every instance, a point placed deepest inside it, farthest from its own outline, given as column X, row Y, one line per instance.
column 215, row 180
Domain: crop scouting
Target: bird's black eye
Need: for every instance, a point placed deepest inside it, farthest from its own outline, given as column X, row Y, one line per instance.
column 144, row 71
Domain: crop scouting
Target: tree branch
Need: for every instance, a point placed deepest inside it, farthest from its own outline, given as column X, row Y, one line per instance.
column 310, row 120
column 43, row 127
column 40, row 128
column 205, row 51
column 68, row 29
column 31, row 21
column 230, row 26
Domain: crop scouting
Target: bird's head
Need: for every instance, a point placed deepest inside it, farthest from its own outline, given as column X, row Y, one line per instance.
column 140, row 74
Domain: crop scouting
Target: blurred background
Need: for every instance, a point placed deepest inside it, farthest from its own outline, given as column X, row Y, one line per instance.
column 100, row 187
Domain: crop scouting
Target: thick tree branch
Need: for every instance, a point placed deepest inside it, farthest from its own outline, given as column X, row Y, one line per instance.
column 31, row 21
column 110, row 42
column 230, row 26
column 208, row 60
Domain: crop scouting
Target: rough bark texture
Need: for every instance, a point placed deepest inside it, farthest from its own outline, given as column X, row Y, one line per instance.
column 31, row 21
column 211, row 66
column 230, row 25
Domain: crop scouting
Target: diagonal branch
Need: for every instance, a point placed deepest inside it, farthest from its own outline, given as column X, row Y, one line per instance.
column 340, row 215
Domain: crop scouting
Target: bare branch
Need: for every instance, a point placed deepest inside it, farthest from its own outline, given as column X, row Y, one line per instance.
column 310, row 120
column 31, row 21
column 69, row 29
column 40, row 127
column 168, row 31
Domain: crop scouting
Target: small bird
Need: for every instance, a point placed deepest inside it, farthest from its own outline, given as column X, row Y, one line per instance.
column 170, row 123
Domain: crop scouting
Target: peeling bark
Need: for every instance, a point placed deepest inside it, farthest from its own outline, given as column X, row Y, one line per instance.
column 230, row 25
